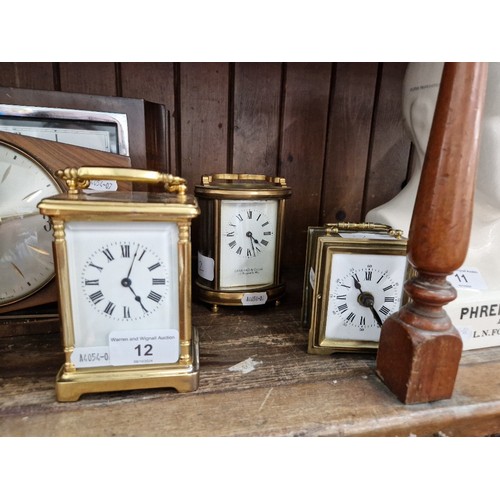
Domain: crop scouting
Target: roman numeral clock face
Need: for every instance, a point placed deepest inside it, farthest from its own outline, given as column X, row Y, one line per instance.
column 247, row 242
column 363, row 291
column 123, row 277
column 142, row 276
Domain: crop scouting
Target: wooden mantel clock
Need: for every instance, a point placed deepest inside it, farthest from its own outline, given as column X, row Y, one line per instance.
column 123, row 263
column 241, row 233
column 27, row 174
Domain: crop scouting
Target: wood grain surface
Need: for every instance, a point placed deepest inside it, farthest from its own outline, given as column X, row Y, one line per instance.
column 332, row 129
column 288, row 393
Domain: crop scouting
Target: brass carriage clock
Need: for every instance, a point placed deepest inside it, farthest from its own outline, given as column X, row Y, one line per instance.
column 241, row 233
column 123, row 264
column 353, row 281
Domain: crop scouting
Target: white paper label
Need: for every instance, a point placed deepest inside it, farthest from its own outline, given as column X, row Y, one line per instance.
column 87, row 357
column 206, row 267
column 145, row 347
column 254, row 299
column 468, row 278
column 312, row 277
column 103, row 186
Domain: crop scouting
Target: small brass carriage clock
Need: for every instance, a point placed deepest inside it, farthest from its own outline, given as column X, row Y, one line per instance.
column 353, row 281
column 123, row 263
column 241, row 233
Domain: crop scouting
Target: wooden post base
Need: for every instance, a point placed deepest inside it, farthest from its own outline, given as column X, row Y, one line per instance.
column 418, row 366
column 419, row 349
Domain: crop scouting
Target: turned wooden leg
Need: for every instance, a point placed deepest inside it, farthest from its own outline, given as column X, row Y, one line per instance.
column 419, row 349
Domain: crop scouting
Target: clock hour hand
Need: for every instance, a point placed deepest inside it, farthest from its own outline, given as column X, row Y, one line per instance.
column 366, row 299
column 252, row 240
column 127, row 283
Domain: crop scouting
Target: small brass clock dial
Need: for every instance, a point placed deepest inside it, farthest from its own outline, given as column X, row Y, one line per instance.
column 141, row 274
column 364, row 291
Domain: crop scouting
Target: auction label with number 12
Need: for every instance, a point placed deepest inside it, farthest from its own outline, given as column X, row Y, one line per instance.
column 131, row 348
column 141, row 348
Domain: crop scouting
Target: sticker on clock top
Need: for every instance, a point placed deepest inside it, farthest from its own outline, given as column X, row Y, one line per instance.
column 144, row 347
column 254, row 299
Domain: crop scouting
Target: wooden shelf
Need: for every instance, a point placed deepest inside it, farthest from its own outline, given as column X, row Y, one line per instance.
column 288, row 392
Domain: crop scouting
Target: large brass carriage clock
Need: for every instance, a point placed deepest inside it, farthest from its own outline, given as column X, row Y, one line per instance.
column 241, row 232
column 123, row 263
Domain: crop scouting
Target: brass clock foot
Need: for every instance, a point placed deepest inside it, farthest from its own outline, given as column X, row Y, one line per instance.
column 215, row 308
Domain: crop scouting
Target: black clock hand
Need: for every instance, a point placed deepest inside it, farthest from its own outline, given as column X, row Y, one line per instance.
column 133, row 260
column 252, row 240
column 366, row 299
column 127, row 283
column 357, row 284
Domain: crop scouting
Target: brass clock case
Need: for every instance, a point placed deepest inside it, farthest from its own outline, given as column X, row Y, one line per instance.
column 354, row 279
column 240, row 239
column 79, row 220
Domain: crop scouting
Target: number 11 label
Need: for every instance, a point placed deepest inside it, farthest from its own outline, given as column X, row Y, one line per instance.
column 145, row 347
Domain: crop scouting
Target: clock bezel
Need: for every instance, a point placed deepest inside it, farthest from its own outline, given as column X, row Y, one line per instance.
column 327, row 246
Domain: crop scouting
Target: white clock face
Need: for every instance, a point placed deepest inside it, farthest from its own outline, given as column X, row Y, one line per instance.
column 247, row 243
column 26, row 260
column 141, row 273
column 123, row 278
column 364, row 290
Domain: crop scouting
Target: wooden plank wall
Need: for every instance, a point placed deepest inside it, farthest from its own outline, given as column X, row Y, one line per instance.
column 333, row 130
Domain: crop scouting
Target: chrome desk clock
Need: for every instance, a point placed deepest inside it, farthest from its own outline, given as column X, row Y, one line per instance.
column 240, row 239
column 123, row 264
column 353, row 281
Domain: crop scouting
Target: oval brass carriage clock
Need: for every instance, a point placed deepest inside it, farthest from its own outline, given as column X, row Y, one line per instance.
column 123, row 263
column 240, row 239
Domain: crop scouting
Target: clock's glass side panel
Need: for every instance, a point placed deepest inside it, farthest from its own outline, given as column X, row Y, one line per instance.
column 313, row 233
column 206, row 242
column 363, row 290
column 26, row 260
column 248, row 231
column 124, row 292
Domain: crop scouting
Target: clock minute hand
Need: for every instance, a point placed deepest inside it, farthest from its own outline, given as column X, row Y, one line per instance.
column 133, row 260
column 372, row 309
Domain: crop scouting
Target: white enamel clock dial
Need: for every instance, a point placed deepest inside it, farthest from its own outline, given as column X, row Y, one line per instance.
column 247, row 243
column 364, row 290
column 124, row 285
column 26, row 260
